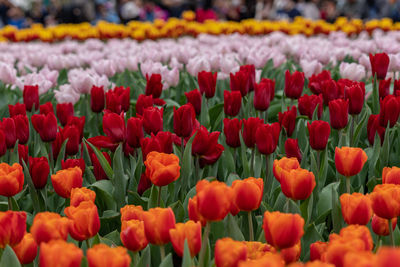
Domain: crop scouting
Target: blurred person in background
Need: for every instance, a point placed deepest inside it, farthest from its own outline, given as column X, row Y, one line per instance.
column 37, row 13
column 288, row 10
column 130, row 10
column 391, row 9
column 105, row 10
column 152, row 11
column 205, row 11
column 354, row 9
column 309, row 9
column 5, row 5
column 265, row 10
column 329, row 11
column 16, row 17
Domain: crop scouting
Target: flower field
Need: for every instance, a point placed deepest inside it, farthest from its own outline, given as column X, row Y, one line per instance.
column 222, row 149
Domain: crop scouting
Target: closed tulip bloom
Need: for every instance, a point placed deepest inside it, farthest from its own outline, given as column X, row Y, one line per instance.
column 98, row 171
column 379, row 65
column 384, row 88
column 349, row 161
column 31, row 97
column 82, row 194
column 13, row 227
column 118, row 100
column 161, row 168
column 287, row 120
column 184, row 120
column 308, row 104
column 232, row 103
column 249, row 130
column 59, row 253
column 134, row 131
column 262, row 94
column 154, row 85
column 11, row 179
column 3, row 145
column 194, row 97
column 49, row 226
column 247, row 193
column 64, row 180
column 97, row 99
column 240, row 82
column 39, row 170
column 373, row 128
column 153, row 120
column 70, row 163
column 361, row 232
column 390, row 111
column 317, row 249
column 251, row 72
column 319, row 134
column 46, row 108
column 232, row 128
column 338, row 113
column 133, row 236
column 284, row 164
column 46, row 126
column 144, row 184
column 131, row 212
column 356, row 208
column 294, row 84
column 194, row 213
column 380, row 226
column 22, row 152
column 282, row 230
column 267, row 137
column 71, row 132
column 355, row 94
column 190, row 231
column 291, row 254
column 162, row 142
column 8, row 127
column 64, row 111
column 85, row 220
column 228, row 252
column 292, row 149
column 102, row 255
column 331, row 90
column 157, row 223
column 338, row 248
column 316, row 80
column 114, row 127
column 213, row 199
column 17, row 109
column 391, row 175
column 142, row 103
column 205, row 146
column 385, row 200
column 79, row 123
column 396, row 89
column 207, row 83
column 21, row 128
column 26, row 250
column 297, row 184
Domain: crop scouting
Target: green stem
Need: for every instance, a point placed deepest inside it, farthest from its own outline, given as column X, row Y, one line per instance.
column 348, row 186
column 251, row 231
column 352, row 130
column 391, row 233
column 286, row 207
column 375, row 97
column 162, row 253
column 182, row 148
column 10, row 206
column 253, row 152
column 135, row 259
column 318, row 164
column 87, row 244
column 159, row 197
column 197, row 168
column 204, row 244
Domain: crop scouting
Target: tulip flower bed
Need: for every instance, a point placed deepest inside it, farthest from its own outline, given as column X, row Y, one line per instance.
column 226, row 151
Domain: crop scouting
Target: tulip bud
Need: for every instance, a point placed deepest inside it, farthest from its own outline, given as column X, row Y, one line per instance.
column 97, row 99
column 331, row 90
column 297, row 184
column 70, row 163
column 291, row 254
column 8, row 127
column 60, row 253
column 384, row 88
column 31, row 97
column 194, row 213
column 240, row 82
column 64, row 180
column 82, row 194
column 157, row 223
column 21, row 129
column 85, row 220
column 131, row 212
column 232, row 103
column 70, row 132
column 287, row 120
column 17, row 109
column 385, row 200
column 26, row 250
column 379, row 65
column 294, row 84
column 319, row 134
column 142, row 103
column 231, row 131
column 267, row 137
column 39, row 170
column 189, row 231
column 356, row 208
column 11, row 179
column 194, row 97
column 390, row 111
column 22, row 152
column 317, row 249
column 308, row 104
column 133, row 236
column 205, row 145
column 316, row 80
column 46, row 126
column 249, row 130
column 251, row 75
column 338, row 113
column 114, row 127
column 247, row 193
column 134, row 131
column 373, row 128
column 49, row 226
column 153, row 120
column 64, row 111
column 391, row 175
column 118, row 100
column 13, row 227
column 380, row 226
column 263, row 92
column 355, row 95
column 154, row 85
column 292, row 149
column 349, row 161
column 207, row 83
column 184, row 120
column 46, row 108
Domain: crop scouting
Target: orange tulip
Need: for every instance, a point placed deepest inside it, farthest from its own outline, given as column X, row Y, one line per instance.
column 194, row 213
column 291, row 254
column 48, row 226
column 64, row 180
column 349, row 161
column 213, row 199
column 361, row 232
column 85, row 220
column 102, row 255
column 257, row 250
column 380, row 226
column 161, row 168
column 157, row 223
column 362, row 258
column 387, row 257
column 284, row 164
column 391, row 175
column 26, row 250
column 11, row 179
column 58, row 253
column 317, row 249
column 339, row 247
column 356, row 208
column 131, row 212
column 386, row 200
column 13, row 227
column 79, row 195
column 228, row 252
column 247, row 193
column 297, row 184
column 282, row 230
column 133, row 236
column 269, row 260
column 190, row 231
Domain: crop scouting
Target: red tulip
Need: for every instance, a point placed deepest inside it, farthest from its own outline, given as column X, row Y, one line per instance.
column 153, row 120
column 316, row 80
column 355, row 94
column 134, row 131
column 8, row 127
column 251, row 74
column 162, row 142
column 267, row 137
column 39, row 170
column 46, row 108
column 331, row 90
column 118, row 100
column 294, row 84
column 207, row 83
column 232, row 103
column 70, row 163
column 319, row 134
column 292, row 149
column 308, row 104
column 379, row 65
column 250, row 127
column 31, row 97
column 46, row 126
column 17, row 109
column 205, row 146
column 287, row 120
column 373, row 127
column 64, row 111
column 98, row 171
column 3, row 145
column 114, row 127
column 154, row 85
column 390, row 110
column 184, row 120
column 144, row 184
column 338, row 113
column 79, row 123
column 232, row 129
column 21, row 128
column 384, row 88
column 263, row 93
column 70, row 132
column 396, row 88
column 22, row 152
column 194, row 97
column 97, row 99
column 240, row 82
column 142, row 103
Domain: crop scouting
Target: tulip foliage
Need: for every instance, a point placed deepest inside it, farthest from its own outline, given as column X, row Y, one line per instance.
column 267, row 166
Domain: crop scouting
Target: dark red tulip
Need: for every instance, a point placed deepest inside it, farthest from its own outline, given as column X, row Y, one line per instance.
column 39, row 170
column 184, row 120
column 316, row 80
column 31, row 97
column 153, row 120
column 379, row 65
column 134, row 131
column 396, row 88
column 17, row 109
column 98, row 171
column 331, row 90
column 319, row 132
column 154, row 85
column 240, row 82
column 22, row 152
column 207, row 83
column 232, row 103
column 46, row 108
column 268, row 81
column 355, row 94
column 56, row 145
column 287, row 120
column 205, row 146
column 3, row 145
column 338, row 113
column 114, row 127
column 251, row 72
column 70, row 163
column 21, row 128
column 390, row 110
column 308, row 103
column 373, row 127
column 102, row 142
column 194, row 97
column 8, row 127
column 97, row 99
column 294, row 84
column 64, row 111
column 118, row 100
column 262, row 94
column 250, row 127
column 162, row 142
column 267, row 137
column 144, row 184
column 46, row 126
column 292, row 149
column 384, row 88
column 79, row 122
column 232, row 128
column 71, row 132
column 142, row 103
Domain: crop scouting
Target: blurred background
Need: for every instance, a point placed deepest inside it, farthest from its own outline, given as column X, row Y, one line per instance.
column 23, row 13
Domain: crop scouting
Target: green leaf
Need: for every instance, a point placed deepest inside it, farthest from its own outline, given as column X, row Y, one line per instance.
column 324, row 205
column 204, row 117
column 233, row 229
column 32, row 190
column 167, row 262
column 109, row 214
column 9, row 259
column 61, row 155
column 114, row 237
column 104, row 193
column 187, row 258
column 120, row 179
column 311, row 235
column 187, row 165
column 103, row 162
column 153, row 197
column 14, row 154
column 145, row 259
column 179, row 211
column 245, row 161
